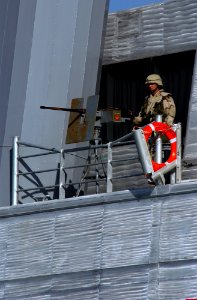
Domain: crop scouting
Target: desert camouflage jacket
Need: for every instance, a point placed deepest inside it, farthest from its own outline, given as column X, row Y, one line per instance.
column 162, row 104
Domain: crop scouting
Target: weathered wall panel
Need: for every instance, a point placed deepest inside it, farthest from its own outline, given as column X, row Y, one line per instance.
column 153, row 30
column 138, row 244
column 191, row 142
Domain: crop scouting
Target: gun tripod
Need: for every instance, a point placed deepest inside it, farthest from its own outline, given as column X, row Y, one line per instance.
column 94, row 160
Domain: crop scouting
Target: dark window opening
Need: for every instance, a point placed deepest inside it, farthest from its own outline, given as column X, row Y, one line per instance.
column 122, row 86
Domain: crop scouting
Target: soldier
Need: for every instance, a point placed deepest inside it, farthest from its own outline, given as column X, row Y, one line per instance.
column 157, row 103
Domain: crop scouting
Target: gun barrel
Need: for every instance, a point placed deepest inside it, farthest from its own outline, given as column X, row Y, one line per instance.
column 77, row 110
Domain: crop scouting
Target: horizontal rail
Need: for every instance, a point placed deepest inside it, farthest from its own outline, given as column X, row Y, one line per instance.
column 86, row 165
column 54, row 150
column 100, row 163
column 38, row 188
column 124, row 159
column 85, row 181
column 115, row 143
column 77, row 183
column 36, row 172
column 37, row 146
column 123, row 138
column 84, row 148
column 127, row 176
column 37, row 155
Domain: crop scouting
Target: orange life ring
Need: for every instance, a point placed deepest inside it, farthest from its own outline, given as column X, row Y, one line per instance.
column 171, row 136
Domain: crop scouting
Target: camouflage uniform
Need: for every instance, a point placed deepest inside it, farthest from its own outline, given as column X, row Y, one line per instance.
column 161, row 103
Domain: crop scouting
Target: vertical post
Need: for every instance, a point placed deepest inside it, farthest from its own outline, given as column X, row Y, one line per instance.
column 15, row 171
column 96, row 137
column 143, row 152
column 173, row 172
column 179, row 150
column 61, row 176
column 109, row 169
column 175, row 176
column 158, row 152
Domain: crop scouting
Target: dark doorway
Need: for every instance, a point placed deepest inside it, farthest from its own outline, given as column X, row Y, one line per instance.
column 122, row 86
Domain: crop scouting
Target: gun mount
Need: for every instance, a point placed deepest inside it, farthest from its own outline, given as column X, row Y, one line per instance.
column 82, row 121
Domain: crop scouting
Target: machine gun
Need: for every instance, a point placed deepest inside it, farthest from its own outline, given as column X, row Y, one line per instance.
column 79, row 110
column 83, row 121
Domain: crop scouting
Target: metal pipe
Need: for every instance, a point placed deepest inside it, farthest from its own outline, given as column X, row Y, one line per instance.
column 158, row 174
column 114, row 143
column 143, row 151
column 36, row 172
column 109, row 169
column 62, row 194
column 100, row 146
column 123, row 138
column 179, row 151
column 37, row 155
column 158, row 143
column 39, row 147
column 14, row 200
column 41, row 188
column 84, row 148
column 96, row 138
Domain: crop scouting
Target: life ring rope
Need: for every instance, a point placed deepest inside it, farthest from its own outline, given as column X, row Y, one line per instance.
column 166, row 130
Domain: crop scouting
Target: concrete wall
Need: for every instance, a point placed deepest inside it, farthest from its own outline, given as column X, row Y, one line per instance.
column 126, row 245
column 50, row 53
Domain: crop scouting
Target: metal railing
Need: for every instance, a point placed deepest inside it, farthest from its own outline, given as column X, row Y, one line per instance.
column 103, row 179
column 16, row 173
column 62, row 167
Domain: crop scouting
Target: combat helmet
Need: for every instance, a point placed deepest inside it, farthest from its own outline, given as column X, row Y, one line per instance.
column 154, row 78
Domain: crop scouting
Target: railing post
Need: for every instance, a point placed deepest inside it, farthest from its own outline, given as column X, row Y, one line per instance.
column 15, row 171
column 143, row 152
column 109, row 169
column 179, row 151
column 158, row 152
column 62, row 194
column 175, row 176
column 96, row 138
